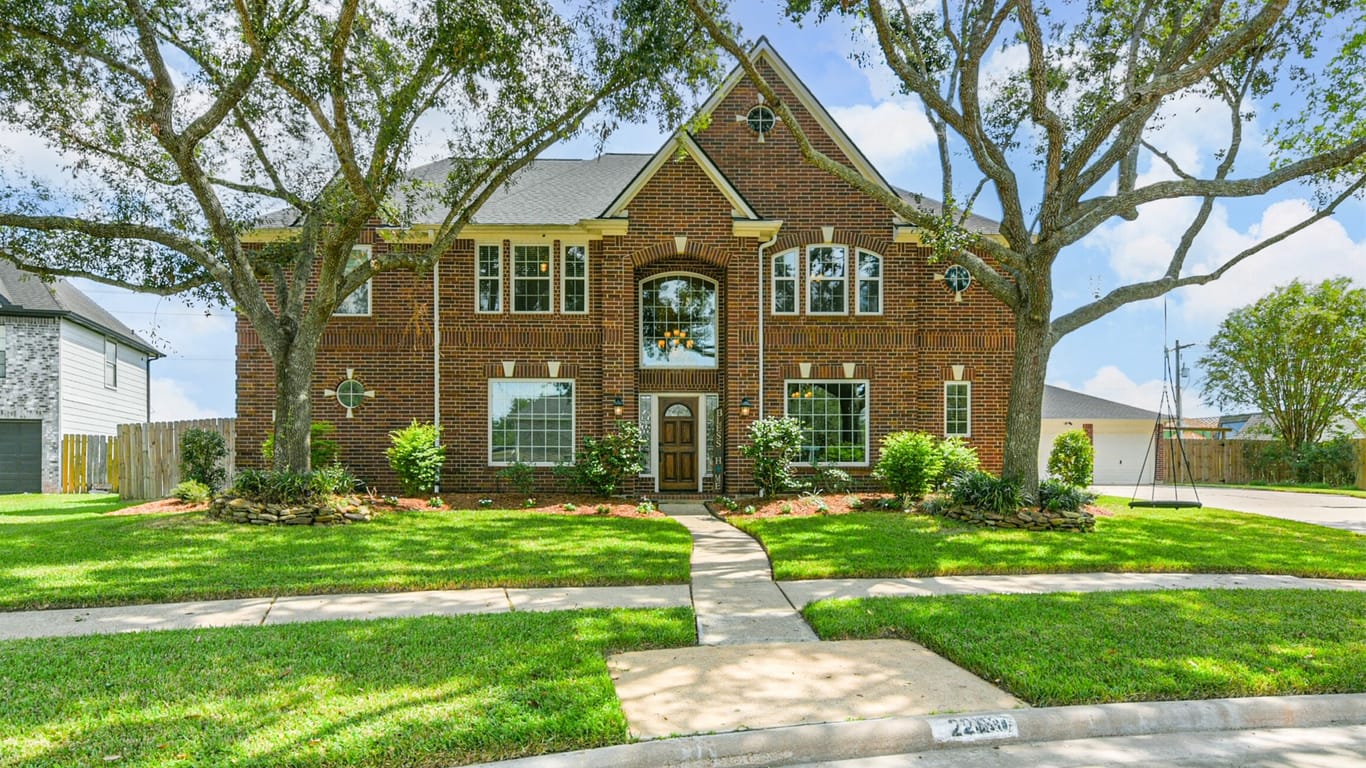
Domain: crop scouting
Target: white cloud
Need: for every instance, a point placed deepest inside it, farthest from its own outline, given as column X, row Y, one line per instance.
column 887, row 132
column 171, row 402
column 1110, row 383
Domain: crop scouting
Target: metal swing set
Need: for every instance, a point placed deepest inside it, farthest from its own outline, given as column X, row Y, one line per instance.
column 1171, row 385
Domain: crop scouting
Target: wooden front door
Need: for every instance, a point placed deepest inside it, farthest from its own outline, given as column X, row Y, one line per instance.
column 678, row 444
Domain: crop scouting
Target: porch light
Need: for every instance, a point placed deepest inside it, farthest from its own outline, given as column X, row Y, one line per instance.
column 617, row 405
column 745, row 405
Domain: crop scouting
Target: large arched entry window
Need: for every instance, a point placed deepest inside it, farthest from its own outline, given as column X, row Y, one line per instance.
column 678, row 321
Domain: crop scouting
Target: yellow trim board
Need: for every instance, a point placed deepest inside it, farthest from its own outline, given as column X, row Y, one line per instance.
column 762, row 229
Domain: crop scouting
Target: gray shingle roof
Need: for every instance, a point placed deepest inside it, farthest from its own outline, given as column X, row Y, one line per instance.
column 974, row 223
column 1059, row 403
column 22, row 293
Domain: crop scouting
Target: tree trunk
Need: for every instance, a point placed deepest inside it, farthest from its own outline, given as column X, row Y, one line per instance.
column 1023, row 413
column 293, row 404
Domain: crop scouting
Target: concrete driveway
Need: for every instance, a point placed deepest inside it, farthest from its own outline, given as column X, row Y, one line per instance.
column 1347, row 512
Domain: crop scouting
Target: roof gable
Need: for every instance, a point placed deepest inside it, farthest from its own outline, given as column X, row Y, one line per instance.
column 680, row 142
column 1059, row 403
column 24, row 293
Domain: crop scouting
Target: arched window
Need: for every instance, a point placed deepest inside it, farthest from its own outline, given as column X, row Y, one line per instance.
column 678, row 322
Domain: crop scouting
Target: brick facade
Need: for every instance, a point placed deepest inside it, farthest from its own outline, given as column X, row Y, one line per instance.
column 30, row 388
column 906, row 353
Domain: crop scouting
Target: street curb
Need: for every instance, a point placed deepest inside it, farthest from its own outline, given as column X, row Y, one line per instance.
column 870, row 738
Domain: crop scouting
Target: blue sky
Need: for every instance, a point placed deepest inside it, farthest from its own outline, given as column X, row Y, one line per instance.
column 1119, row 357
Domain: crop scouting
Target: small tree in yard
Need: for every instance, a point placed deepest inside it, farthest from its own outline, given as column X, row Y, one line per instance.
column 910, row 464
column 1067, row 137
column 1297, row 354
column 604, row 464
column 1073, row 458
column 774, row 443
column 416, row 456
column 201, row 458
column 188, row 126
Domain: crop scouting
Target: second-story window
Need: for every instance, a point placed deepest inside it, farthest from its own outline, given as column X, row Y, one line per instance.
column 869, row 287
column 111, row 364
column 489, row 288
column 827, row 288
column 785, row 283
column 574, row 274
column 531, row 278
column 358, row 303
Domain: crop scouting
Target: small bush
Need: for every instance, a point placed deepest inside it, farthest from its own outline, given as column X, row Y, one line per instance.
column 604, row 464
column 1332, row 462
column 569, row 506
column 192, row 492
column 333, row 480
column 727, row 503
column 1057, row 496
column 485, row 503
column 201, row 458
column 1072, row 459
column 520, row 476
column 646, row 507
column 416, row 456
column 909, row 464
column 274, row 486
column 956, row 458
column 853, row 502
column 828, row 479
column 773, row 446
column 604, row 509
column 322, row 449
column 985, row 492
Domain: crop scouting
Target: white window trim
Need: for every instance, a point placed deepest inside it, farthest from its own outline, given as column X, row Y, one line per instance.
column 948, row 384
column 564, row 278
column 4, row 351
column 111, row 368
column 795, row 279
column 573, row 420
column 512, row 276
column 477, row 279
column 844, row 280
column 365, row 253
column 640, row 326
column 859, row 280
column 867, row 422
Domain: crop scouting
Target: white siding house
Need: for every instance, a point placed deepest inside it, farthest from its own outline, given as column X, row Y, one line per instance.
column 67, row 366
column 1121, row 435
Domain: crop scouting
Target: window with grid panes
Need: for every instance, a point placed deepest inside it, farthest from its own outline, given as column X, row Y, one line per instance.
column 827, row 288
column 958, row 409
column 531, row 421
column 489, row 290
column 574, row 275
column 834, row 419
column 531, row 278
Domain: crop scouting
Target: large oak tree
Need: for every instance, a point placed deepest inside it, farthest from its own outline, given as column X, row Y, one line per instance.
column 183, row 122
column 1060, row 141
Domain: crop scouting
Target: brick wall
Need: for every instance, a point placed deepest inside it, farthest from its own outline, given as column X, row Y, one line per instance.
column 30, row 388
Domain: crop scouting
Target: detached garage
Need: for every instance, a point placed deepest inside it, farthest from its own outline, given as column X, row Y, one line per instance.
column 21, row 456
column 1121, row 434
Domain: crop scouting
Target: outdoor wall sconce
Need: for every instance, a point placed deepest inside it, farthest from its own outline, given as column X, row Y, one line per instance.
column 745, row 405
column 617, row 405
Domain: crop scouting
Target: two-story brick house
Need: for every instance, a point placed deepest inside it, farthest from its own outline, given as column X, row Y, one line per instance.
column 694, row 290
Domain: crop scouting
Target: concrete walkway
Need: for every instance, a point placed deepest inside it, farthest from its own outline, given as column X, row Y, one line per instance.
column 733, row 592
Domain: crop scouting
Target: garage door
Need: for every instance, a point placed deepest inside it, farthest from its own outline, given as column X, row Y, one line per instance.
column 21, row 456
column 1120, row 456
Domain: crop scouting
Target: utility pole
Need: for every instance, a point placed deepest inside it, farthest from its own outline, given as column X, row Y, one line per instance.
column 1177, row 349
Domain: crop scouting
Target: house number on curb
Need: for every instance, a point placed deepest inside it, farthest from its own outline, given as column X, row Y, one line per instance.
column 350, row 393
column 975, row 728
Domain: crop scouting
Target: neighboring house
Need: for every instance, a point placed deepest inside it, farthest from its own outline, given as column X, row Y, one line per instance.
column 66, row 367
column 1121, row 435
column 1256, row 426
column 691, row 290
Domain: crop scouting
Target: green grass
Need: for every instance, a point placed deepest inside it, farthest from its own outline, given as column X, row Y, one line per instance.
column 400, row 692
column 1059, row 649
column 885, row 544
column 63, row 553
column 1311, row 488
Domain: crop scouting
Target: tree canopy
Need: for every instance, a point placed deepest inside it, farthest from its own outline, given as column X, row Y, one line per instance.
column 1296, row 355
column 183, row 123
column 1064, row 135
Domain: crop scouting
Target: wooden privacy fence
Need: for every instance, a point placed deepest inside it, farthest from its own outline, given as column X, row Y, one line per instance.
column 1226, row 461
column 149, row 454
column 89, row 463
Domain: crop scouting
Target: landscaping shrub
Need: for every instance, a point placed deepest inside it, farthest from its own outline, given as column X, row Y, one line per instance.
column 957, row 458
column 773, row 445
column 985, row 492
column 201, row 458
column 604, row 464
column 909, row 464
column 1072, row 459
column 416, row 456
column 1268, row 461
column 1332, row 462
column 520, row 476
column 322, row 449
column 332, row 480
column 1058, row 496
column 273, row 486
column 192, row 492
column 828, row 479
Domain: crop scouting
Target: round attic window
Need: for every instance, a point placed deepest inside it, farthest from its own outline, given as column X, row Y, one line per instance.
column 957, row 278
column 760, row 119
column 350, row 393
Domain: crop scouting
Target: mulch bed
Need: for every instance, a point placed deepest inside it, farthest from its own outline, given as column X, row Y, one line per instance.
column 835, row 504
column 160, row 505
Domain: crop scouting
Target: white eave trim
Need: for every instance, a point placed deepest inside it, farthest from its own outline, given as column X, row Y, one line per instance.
column 684, row 142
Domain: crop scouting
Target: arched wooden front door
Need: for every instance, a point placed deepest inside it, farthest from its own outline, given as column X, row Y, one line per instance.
column 678, row 444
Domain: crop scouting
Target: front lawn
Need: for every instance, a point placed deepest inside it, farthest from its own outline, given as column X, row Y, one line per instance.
column 68, row 554
column 1059, row 649
column 888, row 544
column 399, row 692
